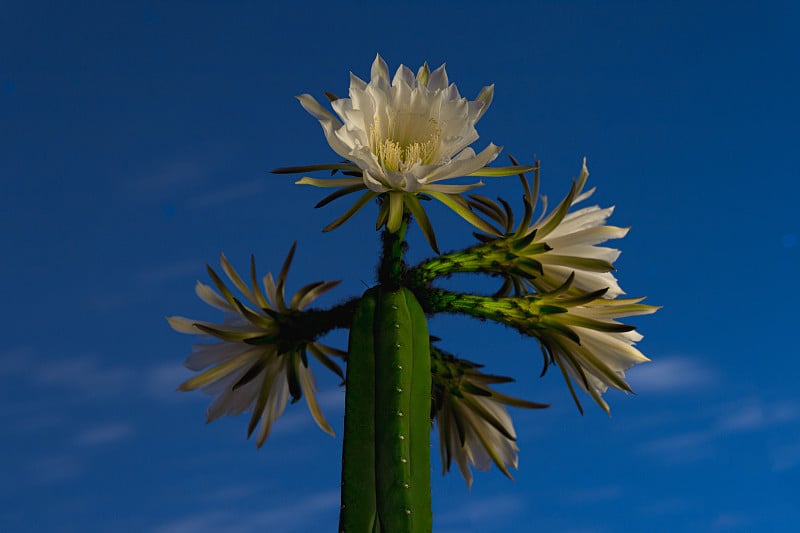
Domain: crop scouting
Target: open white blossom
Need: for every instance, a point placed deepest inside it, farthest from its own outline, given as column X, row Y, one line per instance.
column 408, row 133
column 404, row 136
column 254, row 366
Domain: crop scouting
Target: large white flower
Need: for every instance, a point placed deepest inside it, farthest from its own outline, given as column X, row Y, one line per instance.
column 403, row 137
column 256, row 365
column 407, row 134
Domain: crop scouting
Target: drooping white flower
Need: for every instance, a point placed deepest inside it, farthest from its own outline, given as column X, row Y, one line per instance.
column 255, row 366
column 404, row 136
column 474, row 425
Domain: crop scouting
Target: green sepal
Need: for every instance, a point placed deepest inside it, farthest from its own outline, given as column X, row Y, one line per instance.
column 338, row 194
column 361, row 202
column 418, row 212
column 251, row 374
column 497, row 172
column 314, row 168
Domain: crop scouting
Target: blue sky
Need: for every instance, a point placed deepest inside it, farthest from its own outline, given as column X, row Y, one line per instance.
column 134, row 144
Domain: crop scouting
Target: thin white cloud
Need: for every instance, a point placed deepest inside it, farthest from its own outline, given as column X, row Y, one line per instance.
column 728, row 521
column 241, row 191
column 84, row 375
column 104, row 435
column 54, row 469
column 681, row 447
column 595, row 494
column 483, row 511
column 753, row 415
column 188, row 269
column 203, row 522
column 161, row 382
column 170, row 178
column 722, row 422
column 297, row 517
column 677, row 374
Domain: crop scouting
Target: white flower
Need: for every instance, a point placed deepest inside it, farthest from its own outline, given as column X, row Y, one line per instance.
column 404, row 136
column 255, row 366
column 582, row 336
column 474, row 425
column 572, row 239
column 543, row 254
column 407, row 134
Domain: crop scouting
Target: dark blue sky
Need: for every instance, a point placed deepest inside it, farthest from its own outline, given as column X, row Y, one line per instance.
column 135, row 140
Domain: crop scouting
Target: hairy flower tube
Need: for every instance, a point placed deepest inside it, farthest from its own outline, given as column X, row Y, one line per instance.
column 540, row 255
column 474, row 426
column 579, row 333
column 260, row 357
column 401, row 138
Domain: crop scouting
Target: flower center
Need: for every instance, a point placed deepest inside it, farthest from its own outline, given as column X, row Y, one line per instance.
column 408, row 139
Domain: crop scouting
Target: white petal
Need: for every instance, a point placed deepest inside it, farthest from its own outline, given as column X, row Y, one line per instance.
column 205, row 355
column 212, row 298
column 184, row 325
column 465, row 166
column 438, row 79
column 485, row 98
column 311, row 105
column 380, row 70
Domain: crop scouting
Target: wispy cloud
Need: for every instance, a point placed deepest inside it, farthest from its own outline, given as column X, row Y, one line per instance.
column 161, row 382
column 303, row 515
column 202, row 522
column 85, row 375
column 681, row 447
column 226, row 195
column 169, row 272
column 54, row 469
column 478, row 512
column 595, row 494
column 729, row 521
column 104, row 434
column 677, row 374
column 722, row 421
column 169, row 178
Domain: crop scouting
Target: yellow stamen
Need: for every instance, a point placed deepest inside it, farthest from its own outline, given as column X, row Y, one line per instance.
column 399, row 150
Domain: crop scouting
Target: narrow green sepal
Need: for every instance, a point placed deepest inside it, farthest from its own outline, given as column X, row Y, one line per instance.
column 361, row 202
column 251, row 374
column 497, row 172
column 313, row 168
